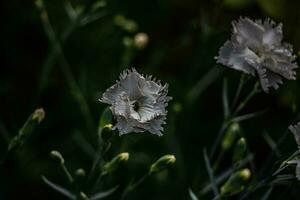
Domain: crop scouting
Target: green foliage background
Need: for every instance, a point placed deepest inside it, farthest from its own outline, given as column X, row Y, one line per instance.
column 184, row 37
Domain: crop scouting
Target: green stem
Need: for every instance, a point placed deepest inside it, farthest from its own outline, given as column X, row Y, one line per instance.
column 239, row 90
column 254, row 91
column 133, row 186
column 99, row 155
column 227, row 121
column 58, row 52
column 67, row 173
column 218, row 139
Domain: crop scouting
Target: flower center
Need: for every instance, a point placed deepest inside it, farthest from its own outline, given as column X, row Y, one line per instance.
column 136, row 106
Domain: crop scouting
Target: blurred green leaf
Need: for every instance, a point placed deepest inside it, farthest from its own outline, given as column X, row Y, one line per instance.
column 272, row 7
column 104, row 194
column 272, row 144
column 237, row 4
column 225, row 98
column 206, row 80
column 283, row 179
column 59, row 188
column 248, row 116
column 192, row 195
column 210, row 174
column 267, row 194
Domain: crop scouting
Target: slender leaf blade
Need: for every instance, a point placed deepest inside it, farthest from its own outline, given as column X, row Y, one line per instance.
column 192, row 195
column 59, row 188
column 210, row 174
column 101, row 195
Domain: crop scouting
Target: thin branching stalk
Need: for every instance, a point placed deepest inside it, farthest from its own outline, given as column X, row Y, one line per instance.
column 84, row 108
column 133, row 186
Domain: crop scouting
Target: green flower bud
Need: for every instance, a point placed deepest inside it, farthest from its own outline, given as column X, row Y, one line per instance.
column 126, row 24
column 39, row 3
column 236, row 182
column 239, row 150
column 119, row 20
column 107, row 132
column 177, row 107
column 130, row 26
column 115, row 163
column 128, row 42
column 55, row 155
column 141, row 40
column 38, row 115
column 80, row 173
column 230, row 135
column 29, row 126
column 99, row 4
column 162, row 163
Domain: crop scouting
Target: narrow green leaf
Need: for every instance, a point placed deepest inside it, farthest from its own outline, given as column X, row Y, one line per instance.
column 192, row 195
column 272, row 144
column 104, row 194
column 267, row 194
column 225, row 98
column 206, row 80
column 210, row 174
column 284, row 164
column 283, row 179
column 248, row 116
column 59, row 188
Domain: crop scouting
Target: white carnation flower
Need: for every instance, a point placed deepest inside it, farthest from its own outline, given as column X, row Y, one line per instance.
column 138, row 103
column 256, row 48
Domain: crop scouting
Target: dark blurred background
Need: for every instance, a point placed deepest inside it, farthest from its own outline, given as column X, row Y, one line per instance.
column 66, row 79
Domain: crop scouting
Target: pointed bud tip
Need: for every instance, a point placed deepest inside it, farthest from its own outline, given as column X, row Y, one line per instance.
column 245, row 173
column 38, row 115
column 171, row 159
column 124, row 156
column 108, row 127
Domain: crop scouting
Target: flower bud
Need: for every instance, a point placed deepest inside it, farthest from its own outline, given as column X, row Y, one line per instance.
column 119, row 20
column 128, row 42
column 80, row 173
column 236, row 182
column 107, row 132
column 141, row 40
column 239, row 150
column 115, row 163
column 126, row 24
column 98, row 4
column 177, row 107
column 162, row 163
column 56, row 155
column 130, row 26
column 230, row 135
column 29, row 126
column 38, row 115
